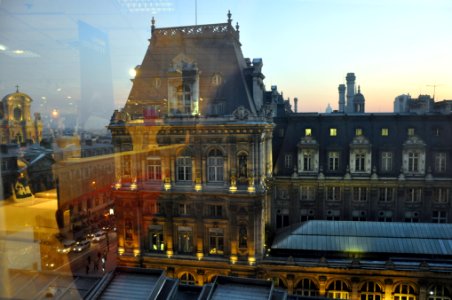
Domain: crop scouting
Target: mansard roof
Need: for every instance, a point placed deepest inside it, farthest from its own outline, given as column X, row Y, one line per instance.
column 211, row 51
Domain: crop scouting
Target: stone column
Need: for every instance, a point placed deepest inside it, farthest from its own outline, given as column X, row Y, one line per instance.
column 290, row 283
column 172, row 169
column 322, row 286
column 389, row 285
column 355, row 289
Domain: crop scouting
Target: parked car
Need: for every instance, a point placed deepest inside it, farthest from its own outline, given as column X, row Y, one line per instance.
column 80, row 246
column 99, row 236
column 89, row 236
column 66, row 246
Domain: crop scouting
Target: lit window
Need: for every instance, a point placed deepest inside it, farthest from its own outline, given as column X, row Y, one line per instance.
column 371, row 291
column 216, row 241
column 156, row 240
column 404, row 291
column 333, row 131
column 338, row 290
column 308, row 132
column 358, row 132
column 384, row 132
column 410, row 131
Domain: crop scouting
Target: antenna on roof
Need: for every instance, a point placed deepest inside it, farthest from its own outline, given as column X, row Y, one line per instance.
column 434, row 88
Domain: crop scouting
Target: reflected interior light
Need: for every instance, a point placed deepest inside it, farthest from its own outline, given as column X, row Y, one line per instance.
column 19, row 51
column 54, row 113
column 132, row 72
column 2, row 47
column 58, row 89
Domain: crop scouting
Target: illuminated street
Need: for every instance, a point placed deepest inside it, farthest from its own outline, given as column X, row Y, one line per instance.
column 30, row 265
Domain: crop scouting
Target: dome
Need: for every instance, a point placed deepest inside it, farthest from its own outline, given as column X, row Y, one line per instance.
column 17, row 97
column 358, row 98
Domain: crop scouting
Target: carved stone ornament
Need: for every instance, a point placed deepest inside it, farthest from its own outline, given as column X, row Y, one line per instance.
column 241, row 113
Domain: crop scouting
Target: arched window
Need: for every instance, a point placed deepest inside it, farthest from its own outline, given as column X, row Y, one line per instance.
column 306, row 287
column 438, row 292
column 184, row 99
column 187, row 279
column 404, row 291
column 338, row 290
column 278, row 283
column 184, row 167
column 215, row 165
column 371, row 291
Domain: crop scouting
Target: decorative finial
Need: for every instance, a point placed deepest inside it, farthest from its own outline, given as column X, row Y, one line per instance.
column 237, row 26
column 152, row 24
column 229, row 17
column 359, row 89
column 17, row 88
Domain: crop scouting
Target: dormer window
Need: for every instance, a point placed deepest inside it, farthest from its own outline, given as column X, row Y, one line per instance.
column 184, row 99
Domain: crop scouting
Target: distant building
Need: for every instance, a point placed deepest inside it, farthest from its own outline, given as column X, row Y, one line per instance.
column 16, row 123
column 350, row 101
column 421, row 105
column 212, row 171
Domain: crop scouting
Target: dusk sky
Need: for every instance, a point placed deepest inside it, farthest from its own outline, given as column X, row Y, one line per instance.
column 393, row 47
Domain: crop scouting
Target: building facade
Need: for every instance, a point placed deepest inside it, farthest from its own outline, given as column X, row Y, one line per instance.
column 211, row 168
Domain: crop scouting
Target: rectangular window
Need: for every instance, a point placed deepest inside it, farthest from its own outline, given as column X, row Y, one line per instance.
column 282, row 218
column 333, row 193
column 308, row 132
column 288, row 161
column 215, row 210
column 333, row 161
column 385, row 132
column 414, row 195
column 184, row 168
column 440, row 162
column 386, row 161
column 154, row 169
column 156, row 240
column 307, row 193
column 360, row 160
column 184, row 209
column 185, row 239
column 386, row 194
column 333, row 131
column 216, row 241
column 441, row 195
column 413, row 162
column 410, row 131
column 360, row 194
column 307, row 161
column 439, row 217
column 358, row 132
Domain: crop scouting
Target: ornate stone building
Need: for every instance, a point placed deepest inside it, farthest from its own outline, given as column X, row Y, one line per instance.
column 212, row 169
column 16, row 124
column 196, row 138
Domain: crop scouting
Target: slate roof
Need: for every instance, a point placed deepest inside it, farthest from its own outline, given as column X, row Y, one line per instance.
column 368, row 237
column 213, row 49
